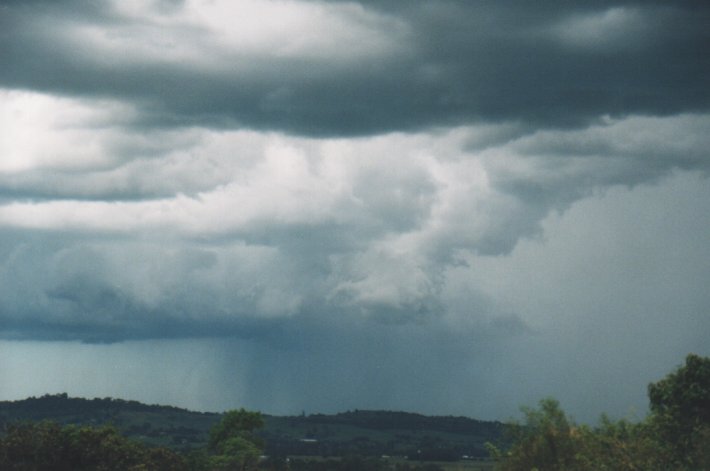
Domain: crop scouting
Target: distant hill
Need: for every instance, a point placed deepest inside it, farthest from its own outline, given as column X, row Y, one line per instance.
column 366, row 433
column 153, row 424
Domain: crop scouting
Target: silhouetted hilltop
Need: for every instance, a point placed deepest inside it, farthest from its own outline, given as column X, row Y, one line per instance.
column 362, row 432
column 61, row 406
column 153, row 424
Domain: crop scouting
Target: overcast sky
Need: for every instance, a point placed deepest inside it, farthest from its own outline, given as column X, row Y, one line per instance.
column 448, row 207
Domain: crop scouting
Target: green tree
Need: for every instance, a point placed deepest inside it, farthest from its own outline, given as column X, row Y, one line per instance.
column 550, row 440
column 233, row 442
column 47, row 446
column 680, row 411
column 675, row 435
column 620, row 446
column 546, row 441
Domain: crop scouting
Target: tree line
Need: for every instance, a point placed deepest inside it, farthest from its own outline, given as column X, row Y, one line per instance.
column 48, row 446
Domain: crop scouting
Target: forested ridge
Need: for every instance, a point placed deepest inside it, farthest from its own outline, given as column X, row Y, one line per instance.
column 362, row 433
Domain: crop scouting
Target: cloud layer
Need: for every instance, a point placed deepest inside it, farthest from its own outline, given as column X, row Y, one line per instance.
column 334, row 68
column 360, row 186
column 234, row 224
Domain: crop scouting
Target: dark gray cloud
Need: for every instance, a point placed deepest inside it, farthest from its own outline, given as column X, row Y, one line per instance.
column 550, row 64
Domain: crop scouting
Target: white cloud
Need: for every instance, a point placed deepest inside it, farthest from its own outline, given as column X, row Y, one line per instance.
column 366, row 224
column 42, row 131
column 615, row 28
column 239, row 36
column 287, row 28
column 385, row 215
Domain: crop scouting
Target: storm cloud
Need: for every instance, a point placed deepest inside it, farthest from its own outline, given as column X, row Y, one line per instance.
column 335, row 68
column 351, row 197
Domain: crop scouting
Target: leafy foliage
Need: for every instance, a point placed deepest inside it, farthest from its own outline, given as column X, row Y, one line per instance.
column 49, row 446
column 234, row 443
column 680, row 407
column 675, row 435
column 548, row 440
